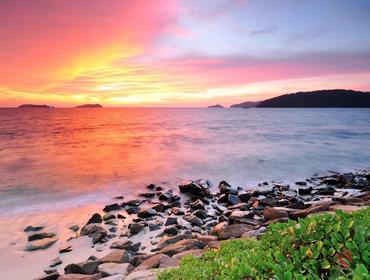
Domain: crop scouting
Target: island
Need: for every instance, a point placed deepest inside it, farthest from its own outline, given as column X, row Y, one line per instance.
column 333, row 98
column 90, row 106
column 33, row 106
column 248, row 104
column 216, row 106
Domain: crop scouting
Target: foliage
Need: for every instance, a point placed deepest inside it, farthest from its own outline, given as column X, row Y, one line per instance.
column 322, row 246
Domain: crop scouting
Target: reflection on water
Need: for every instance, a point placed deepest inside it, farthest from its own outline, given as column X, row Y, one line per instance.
column 85, row 154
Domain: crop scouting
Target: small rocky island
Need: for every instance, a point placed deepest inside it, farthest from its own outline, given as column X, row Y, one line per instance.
column 154, row 231
column 90, row 106
column 33, row 106
column 216, row 106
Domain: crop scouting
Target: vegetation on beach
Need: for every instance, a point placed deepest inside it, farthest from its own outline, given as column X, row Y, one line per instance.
column 322, row 246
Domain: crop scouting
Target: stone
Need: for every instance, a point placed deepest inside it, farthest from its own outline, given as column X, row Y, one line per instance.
column 301, row 183
column 200, row 213
column 120, row 216
column 74, row 228
column 254, row 233
column 134, row 202
column 193, row 188
column 135, row 228
column 272, row 213
column 80, row 277
column 147, row 213
column 108, row 269
column 96, row 218
column 325, row 191
column 88, row 267
column 121, row 244
column 153, row 227
column 40, row 244
column 159, row 207
column 148, row 274
column 109, row 216
column 244, row 196
column 132, row 210
column 194, row 220
column 112, row 207
column 52, row 276
column 41, row 235
column 171, row 221
column 171, row 230
column 50, row 270
column 232, row 199
column 167, row 196
column 241, row 215
column 167, row 240
column 226, row 188
column 55, row 262
column 225, row 231
column 305, row 191
column 290, row 194
column 150, row 187
column 320, row 207
column 33, row 228
column 194, row 253
column 156, row 261
column 65, row 249
column 177, row 211
column 97, row 232
column 181, row 246
column 197, row 204
column 116, row 256
column 147, row 195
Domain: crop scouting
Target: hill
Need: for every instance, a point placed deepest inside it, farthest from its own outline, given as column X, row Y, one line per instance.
column 248, row 104
column 33, row 106
column 216, row 106
column 334, row 98
column 90, row 106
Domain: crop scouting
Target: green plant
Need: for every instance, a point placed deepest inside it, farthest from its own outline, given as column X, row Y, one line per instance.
column 323, row 246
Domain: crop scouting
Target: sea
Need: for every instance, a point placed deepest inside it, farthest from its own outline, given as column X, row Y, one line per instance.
column 63, row 158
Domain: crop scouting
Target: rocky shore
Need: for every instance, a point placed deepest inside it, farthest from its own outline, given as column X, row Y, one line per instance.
column 157, row 229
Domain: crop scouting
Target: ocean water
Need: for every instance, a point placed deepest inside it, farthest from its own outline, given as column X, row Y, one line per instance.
column 68, row 157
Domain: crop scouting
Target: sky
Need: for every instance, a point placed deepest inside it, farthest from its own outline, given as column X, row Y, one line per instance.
column 179, row 53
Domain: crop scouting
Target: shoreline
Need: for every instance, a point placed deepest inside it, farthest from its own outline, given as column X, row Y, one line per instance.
column 160, row 226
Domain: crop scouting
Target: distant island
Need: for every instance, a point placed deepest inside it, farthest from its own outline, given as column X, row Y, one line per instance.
column 216, row 106
column 27, row 106
column 334, row 98
column 248, row 104
column 90, row 106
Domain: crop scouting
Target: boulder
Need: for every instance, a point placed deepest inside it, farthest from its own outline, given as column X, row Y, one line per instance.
column 272, row 213
column 207, row 238
column 232, row 199
column 241, row 215
column 177, row 211
column 226, row 188
column 305, row 191
column 320, row 207
column 157, row 261
column 254, row 233
column 89, row 267
column 193, row 188
column 171, row 221
column 181, row 246
column 40, row 244
column 172, row 230
column 135, row 228
column 117, row 256
column 41, row 235
column 112, row 207
column 197, row 204
column 147, row 195
column 108, row 217
column 167, row 240
column 95, row 231
column 200, row 213
column 96, row 218
column 33, row 228
column 194, row 220
column 121, row 244
column 74, row 228
column 159, row 207
column 244, row 196
column 224, row 231
column 147, row 213
column 132, row 210
column 80, row 277
column 108, row 269
column 153, row 227
column 194, row 253
column 52, row 276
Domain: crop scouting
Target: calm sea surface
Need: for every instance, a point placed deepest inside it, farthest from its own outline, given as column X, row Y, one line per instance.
column 68, row 157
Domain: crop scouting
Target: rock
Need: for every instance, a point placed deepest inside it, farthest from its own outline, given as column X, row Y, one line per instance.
column 272, row 213
column 52, row 276
column 156, row 261
column 197, row 204
column 159, row 207
column 50, row 270
column 108, row 269
column 232, row 199
column 241, row 215
column 41, row 235
column 147, row 195
column 194, row 253
column 305, row 191
column 153, row 227
column 278, row 220
column 121, row 244
column 177, row 211
column 40, row 244
column 192, row 188
column 171, row 221
column 112, row 207
column 290, row 194
column 148, row 274
column 55, row 262
column 346, row 208
column 135, row 228
column 97, row 232
column 254, row 233
column 65, row 249
column 200, row 213
column 134, row 202
column 109, row 216
column 181, row 246
column 117, row 256
column 132, row 210
column 167, row 196
column 80, row 277
column 225, row 231
column 226, row 188
column 147, row 213
column 88, row 267
column 96, row 218
column 33, row 228
column 326, row 191
column 74, row 228
column 301, row 183
column 150, row 187
column 171, row 230
column 207, row 238
column 333, row 181
column 320, row 207
column 120, row 216
column 194, row 220
column 244, row 196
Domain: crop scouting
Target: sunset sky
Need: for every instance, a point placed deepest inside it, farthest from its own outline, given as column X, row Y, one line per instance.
column 179, row 53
